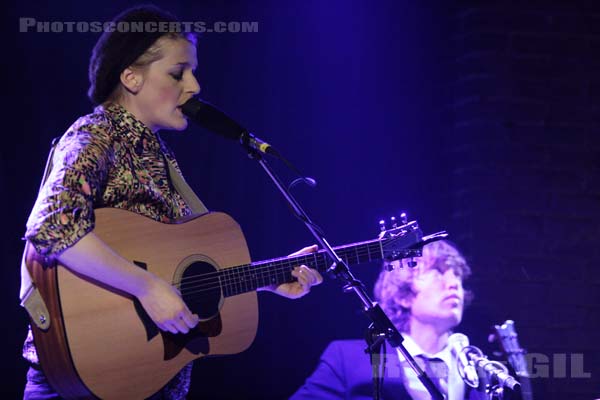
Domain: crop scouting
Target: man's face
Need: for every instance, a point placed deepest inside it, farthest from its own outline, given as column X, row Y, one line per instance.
column 439, row 298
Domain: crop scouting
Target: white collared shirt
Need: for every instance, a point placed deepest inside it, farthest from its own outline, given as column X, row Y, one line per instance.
column 456, row 386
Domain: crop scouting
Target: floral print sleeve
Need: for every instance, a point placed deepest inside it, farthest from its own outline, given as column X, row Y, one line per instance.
column 64, row 211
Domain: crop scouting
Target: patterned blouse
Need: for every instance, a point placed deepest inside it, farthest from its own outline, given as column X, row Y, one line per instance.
column 105, row 159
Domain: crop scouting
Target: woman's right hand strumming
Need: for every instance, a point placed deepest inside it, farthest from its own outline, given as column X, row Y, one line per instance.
column 91, row 257
column 164, row 305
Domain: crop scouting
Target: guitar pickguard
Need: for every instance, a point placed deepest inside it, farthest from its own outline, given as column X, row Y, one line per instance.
column 198, row 283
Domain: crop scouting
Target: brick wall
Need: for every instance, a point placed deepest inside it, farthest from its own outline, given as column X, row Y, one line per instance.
column 522, row 143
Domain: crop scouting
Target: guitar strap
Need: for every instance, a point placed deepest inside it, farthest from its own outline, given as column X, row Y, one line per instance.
column 185, row 190
column 29, row 294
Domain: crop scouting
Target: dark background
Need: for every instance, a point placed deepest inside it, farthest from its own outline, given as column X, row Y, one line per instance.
column 479, row 119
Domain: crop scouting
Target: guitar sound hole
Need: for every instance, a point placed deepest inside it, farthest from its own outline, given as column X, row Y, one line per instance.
column 201, row 290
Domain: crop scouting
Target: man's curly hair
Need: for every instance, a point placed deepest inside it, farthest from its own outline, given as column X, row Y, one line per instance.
column 393, row 286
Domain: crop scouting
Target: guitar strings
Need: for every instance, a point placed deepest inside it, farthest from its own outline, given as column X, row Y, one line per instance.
column 249, row 269
column 232, row 275
column 296, row 259
column 211, row 281
column 238, row 279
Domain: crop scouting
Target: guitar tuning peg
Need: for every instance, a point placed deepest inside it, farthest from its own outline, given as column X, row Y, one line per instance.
column 382, row 226
column 394, row 222
column 404, row 218
column 390, row 265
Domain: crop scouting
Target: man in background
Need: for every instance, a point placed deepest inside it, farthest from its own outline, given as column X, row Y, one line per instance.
column 425, row 303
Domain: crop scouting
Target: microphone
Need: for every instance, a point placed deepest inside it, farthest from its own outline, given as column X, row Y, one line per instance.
column 458, row 342
column 211, row 118
column 471, row 358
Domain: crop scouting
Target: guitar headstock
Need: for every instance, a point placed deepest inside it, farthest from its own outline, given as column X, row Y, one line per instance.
column 507, row 337
column 397, row 240
column 403, row 242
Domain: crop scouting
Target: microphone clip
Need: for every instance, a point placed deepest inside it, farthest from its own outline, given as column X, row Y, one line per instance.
column 254, row 144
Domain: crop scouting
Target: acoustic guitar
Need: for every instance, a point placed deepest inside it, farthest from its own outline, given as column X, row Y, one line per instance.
column 102, row 344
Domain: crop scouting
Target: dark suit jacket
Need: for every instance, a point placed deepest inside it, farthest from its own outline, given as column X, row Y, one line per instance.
column 344, row 372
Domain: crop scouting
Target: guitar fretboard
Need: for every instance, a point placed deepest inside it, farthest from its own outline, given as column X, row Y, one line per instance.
column 246, row 278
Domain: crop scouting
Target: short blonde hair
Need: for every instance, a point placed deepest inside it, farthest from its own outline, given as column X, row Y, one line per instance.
column 394, row 286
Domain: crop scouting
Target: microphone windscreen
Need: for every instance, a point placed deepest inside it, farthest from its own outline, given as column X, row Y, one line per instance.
column 458, row 341
column 212, row 119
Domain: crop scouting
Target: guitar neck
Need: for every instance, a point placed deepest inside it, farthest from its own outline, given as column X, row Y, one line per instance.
column 506, row 334
column 246, row 278
column 526, row 392
column 517, row 361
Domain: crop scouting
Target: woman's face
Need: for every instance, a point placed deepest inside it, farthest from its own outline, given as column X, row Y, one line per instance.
column 165, row 85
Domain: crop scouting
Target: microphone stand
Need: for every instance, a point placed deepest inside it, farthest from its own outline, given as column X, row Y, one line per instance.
column 381, row 326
